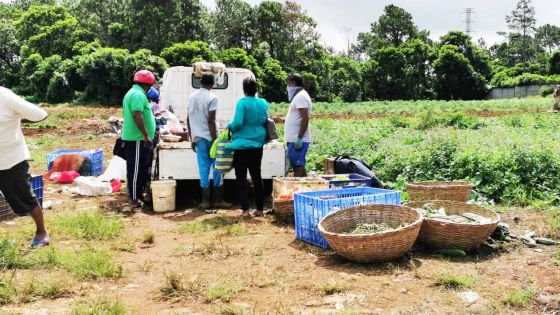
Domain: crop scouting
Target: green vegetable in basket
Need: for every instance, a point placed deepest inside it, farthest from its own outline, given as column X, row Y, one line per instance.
column 341, row 178
column 365, row 228
column 476, row 217
column 452, row 253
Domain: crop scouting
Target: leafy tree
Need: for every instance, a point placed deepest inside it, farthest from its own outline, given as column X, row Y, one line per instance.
column 9, row 55
column 346, row 79
column 522, row 23
column 554, row 63
column 390, row 76
column 273, row 81
column 479, row 59
column 49, row 30
column 302, row 40
column 272, row 27
column 417, row 71
column 98, row 15
column 455, row 76
column 548, row 36
column 185, row 54
column 370, row 69
column 394, row 27
column 232, row 24
column 522, row 19
column 239, row 58
column 116, row 67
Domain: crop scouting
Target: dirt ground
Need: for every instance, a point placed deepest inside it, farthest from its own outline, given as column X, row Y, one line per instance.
column 265, row 270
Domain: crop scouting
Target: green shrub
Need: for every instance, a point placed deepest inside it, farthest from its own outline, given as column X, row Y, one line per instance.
column 546, row 91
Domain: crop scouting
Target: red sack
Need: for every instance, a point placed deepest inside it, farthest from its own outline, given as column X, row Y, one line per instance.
column 67, row 177
column 116, row 185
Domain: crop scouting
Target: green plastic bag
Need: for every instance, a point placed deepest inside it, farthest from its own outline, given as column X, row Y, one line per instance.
column 214, row 149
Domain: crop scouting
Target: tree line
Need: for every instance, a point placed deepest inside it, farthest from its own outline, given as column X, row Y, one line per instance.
column 87, row 50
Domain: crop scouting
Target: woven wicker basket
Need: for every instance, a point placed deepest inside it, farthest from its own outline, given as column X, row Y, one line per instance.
column 283, row 207
column 378, row 247
column 439, row 234
column 454, row 191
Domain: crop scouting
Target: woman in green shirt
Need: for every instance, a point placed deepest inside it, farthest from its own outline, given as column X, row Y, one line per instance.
column 248, row 138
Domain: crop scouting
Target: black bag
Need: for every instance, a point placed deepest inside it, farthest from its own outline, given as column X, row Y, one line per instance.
column 345, row 164
column 119, row 149
column 270, row 128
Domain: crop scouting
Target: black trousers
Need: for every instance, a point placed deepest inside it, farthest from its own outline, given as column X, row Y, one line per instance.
column 243, row 160
column 138, row 160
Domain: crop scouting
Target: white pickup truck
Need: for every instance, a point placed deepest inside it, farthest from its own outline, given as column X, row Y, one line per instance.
column 177, row 160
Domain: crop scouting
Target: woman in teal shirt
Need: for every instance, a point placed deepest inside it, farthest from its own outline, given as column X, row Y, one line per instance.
column 248, row 138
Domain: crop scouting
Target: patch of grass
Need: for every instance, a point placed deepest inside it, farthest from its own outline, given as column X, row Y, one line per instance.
column 215, row 250
column 90, row 226
column 519, row 297
column 195, row 227
column 57, row 288
column 178, row 287
column 95, row 265
column 99, row 306
column 224, row 292
column 149, row 237
column 451, row 281
column 553, row 222
column 333, row 287
column 11, row 257
column 28, row 290
column 236, row 229
column 124, row 244
column 231, row 310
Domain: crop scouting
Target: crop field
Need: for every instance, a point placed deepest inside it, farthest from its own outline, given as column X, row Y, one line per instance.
column 106, row 260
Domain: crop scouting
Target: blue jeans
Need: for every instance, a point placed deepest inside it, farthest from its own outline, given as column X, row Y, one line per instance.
column 205, row 163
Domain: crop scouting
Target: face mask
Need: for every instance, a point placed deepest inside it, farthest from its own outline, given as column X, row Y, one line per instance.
column 292, row 90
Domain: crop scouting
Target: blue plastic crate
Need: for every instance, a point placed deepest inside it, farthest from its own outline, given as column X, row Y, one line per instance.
column 311, row 207
column 354, row 181
column 37, row 185
column 6, row 212
column 94, row 156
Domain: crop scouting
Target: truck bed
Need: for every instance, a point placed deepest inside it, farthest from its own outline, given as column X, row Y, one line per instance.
column 178, row 161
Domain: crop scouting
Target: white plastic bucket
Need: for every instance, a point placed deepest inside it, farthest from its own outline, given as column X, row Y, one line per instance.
column 163, row 195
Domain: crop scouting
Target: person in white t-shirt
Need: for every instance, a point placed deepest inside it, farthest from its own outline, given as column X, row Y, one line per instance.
column 203, row 127
column 15, row 181
column 297, row 132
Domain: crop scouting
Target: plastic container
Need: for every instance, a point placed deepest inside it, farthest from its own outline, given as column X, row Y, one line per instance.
column 163, row 195
column 6, row 212
column 311, row 207
column 353, row 181
column 37, row 186
column 95, row 157
column 284, row 188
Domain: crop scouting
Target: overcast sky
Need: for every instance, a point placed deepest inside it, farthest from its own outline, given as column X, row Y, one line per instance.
column 337, row 18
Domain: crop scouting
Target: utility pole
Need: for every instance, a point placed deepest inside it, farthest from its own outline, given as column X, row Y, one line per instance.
column 348, row 32
column 469, row 12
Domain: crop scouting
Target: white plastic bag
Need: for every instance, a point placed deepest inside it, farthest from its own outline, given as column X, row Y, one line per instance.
column 115, row 170
column 91, row 186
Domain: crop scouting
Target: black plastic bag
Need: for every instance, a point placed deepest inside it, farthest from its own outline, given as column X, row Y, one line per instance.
column 345, row 164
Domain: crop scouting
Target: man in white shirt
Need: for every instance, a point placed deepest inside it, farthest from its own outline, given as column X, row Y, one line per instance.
column 203, row 128
column 15, row 181
column 296, row 128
